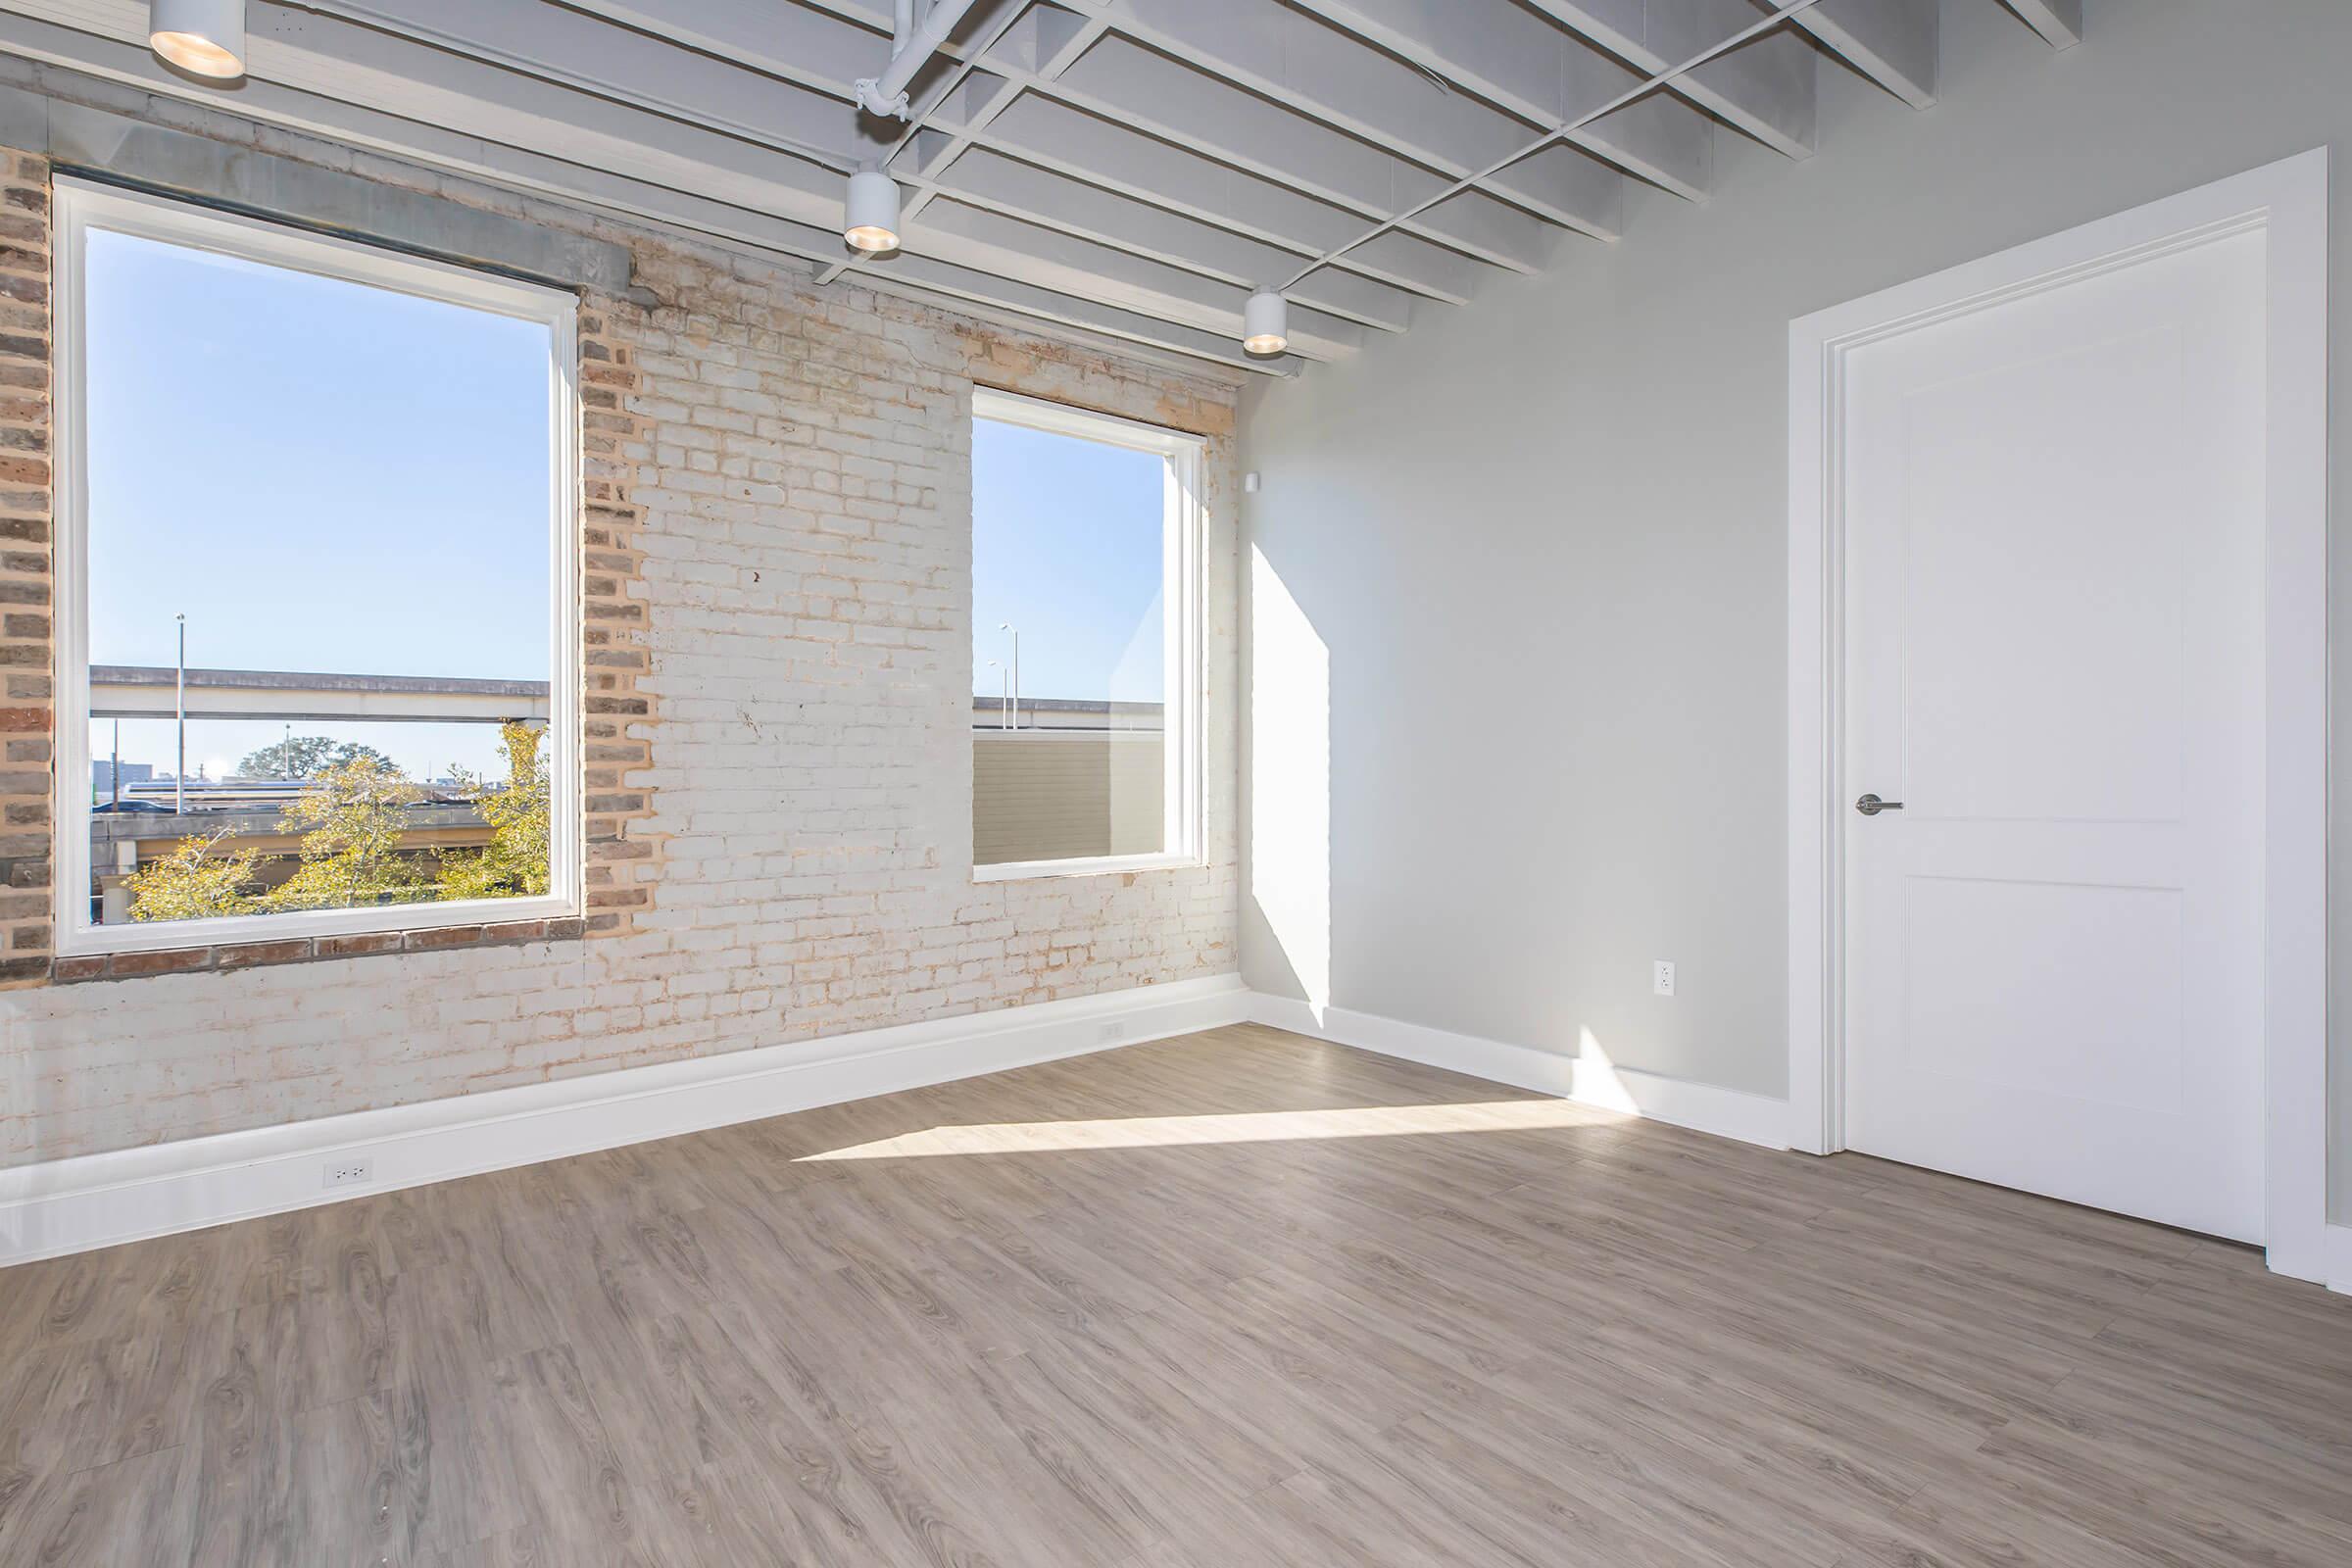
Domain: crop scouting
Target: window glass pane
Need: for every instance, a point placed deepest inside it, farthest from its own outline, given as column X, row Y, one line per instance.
column 344, row 491
column 1068, row 545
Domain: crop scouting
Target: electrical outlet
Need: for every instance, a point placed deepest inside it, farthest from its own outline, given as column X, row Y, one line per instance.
column 1112, row 1031
column 1661, row 976
column 350, row 1171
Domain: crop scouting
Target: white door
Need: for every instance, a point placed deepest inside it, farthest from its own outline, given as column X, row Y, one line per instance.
column 2054, row 532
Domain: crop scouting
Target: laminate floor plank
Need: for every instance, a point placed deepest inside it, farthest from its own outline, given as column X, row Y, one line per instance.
column 1236, row 1299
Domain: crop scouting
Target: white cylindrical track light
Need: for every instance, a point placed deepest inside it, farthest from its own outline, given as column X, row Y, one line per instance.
column 870, row 219
column 1266, row 322
column 203, row 36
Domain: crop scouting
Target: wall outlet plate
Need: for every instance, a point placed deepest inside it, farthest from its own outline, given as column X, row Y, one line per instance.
column 1661, row 976
column 1112, row 1031
column 349, row 1172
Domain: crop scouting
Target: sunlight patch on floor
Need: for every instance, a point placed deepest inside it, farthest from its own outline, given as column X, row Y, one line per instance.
column 1244, row 1127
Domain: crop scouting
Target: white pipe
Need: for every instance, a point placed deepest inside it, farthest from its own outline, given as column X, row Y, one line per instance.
column 887, row 94
column 902, row 26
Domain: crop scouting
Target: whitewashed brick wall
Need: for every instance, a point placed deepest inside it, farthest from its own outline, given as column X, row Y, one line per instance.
column 805, row 473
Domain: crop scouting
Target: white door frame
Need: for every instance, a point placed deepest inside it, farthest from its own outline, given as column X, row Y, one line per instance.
column 2288, row 200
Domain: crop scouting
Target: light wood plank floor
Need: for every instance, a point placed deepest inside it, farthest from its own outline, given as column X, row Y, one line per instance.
column 1235, row 1300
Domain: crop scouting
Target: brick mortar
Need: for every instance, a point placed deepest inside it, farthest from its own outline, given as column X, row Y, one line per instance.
column 775, row 571
column 28, row 657
column 232, row 955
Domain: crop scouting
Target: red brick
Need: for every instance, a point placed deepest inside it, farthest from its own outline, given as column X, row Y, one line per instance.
column 444, row 936
column 169, row 960
column 359, row 943
column 246, row 954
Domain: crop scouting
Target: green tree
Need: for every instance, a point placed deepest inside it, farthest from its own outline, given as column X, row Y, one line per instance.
column 191, row 883
column 515, row 861
column 351, row 822
column 305, row 757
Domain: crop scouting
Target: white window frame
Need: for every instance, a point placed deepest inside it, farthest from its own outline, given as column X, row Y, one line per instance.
column 79, row 206
column 1181, row 620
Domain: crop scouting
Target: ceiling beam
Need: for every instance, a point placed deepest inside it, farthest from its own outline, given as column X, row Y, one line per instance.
column 338, row 60
column 985, row 177
column 582, row 54
column 748, row 220
column 960, row 101
column 1303, row 61
column 1044, row 131
column 1893, row 43
column 990, row 242
column 827, row 43
column 1764, row 87
column 631, row 66
column 1513, row 59
column 931, row 275
column 1120, row 79
column 1774, row 19
column 2060, row 21
column 587, row 53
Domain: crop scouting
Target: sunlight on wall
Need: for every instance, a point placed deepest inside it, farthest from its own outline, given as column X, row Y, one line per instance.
column 1290, row 779
column 1242, row 1127
column 1595, row 1077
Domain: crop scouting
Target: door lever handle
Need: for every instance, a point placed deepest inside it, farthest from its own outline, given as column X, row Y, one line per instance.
column 1872, row 805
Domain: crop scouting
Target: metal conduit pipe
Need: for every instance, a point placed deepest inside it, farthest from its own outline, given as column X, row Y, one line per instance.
column 910, row 50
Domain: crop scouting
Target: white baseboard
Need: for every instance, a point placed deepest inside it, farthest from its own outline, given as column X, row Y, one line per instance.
column 70, row 1206
column 73, row 1205
column 1683, row 1102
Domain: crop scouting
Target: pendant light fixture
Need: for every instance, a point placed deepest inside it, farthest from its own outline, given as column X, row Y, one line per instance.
column 870, row 217
column 1266, row 322
column 205, row 37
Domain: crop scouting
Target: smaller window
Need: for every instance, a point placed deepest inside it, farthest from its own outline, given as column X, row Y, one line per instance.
column 1086, row 642
column 316, row 585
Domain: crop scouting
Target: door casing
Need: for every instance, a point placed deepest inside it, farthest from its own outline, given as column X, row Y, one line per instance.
column 2288, row 203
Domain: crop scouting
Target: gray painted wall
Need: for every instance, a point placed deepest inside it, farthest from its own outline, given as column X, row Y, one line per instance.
column 1535, row 548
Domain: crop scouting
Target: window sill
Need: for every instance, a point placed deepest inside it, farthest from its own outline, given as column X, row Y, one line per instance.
column 225, row 956
column 1092, row 866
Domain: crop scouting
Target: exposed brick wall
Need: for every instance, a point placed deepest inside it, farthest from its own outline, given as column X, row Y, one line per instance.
column 28, row 721
column 623, row 859
column 777, row 563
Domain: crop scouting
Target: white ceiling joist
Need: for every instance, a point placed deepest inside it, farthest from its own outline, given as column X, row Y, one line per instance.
column 963, row 100
column 1513, row 59
column 749, row 228
column 2058, row 21
column 1122, row 169
column 1764, row 88
column 1044, row 131
column 1296, row 59
column 1154, row 93
column 1893, row 43
column 985, row 178
column 1665, row 76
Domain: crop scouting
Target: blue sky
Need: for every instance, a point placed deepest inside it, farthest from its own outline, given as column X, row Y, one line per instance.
column 1066, row 545
column 321, row 476
column 326, row 476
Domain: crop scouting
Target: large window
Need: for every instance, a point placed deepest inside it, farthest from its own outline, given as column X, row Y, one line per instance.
column 314, row 506
column 1085, row 562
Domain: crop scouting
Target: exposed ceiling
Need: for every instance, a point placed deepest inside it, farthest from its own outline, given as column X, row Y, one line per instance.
column 1119, row 168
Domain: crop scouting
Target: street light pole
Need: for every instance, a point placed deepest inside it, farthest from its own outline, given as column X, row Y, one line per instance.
column 180, row 719
column 1007, row 626
column 1005, row 699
